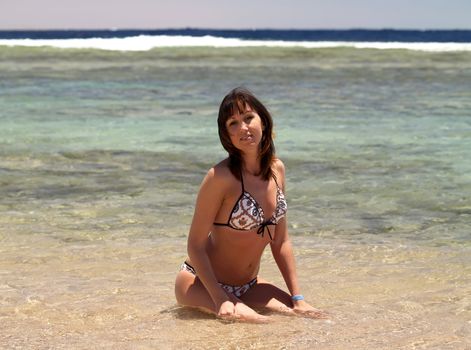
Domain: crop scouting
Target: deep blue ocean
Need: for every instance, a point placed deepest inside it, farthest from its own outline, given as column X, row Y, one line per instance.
column 359, row 35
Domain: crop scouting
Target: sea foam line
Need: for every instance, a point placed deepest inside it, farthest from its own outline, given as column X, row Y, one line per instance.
column 146, row 42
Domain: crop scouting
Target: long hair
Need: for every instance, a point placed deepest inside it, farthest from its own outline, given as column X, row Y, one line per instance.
column 237, row 100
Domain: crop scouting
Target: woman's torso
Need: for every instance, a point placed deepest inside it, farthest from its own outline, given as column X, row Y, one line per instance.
column 235, row 253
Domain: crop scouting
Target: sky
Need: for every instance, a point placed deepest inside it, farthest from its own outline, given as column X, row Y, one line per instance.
column 240, row 14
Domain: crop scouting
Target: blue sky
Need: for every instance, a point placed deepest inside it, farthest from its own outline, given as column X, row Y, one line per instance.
column 243, row 14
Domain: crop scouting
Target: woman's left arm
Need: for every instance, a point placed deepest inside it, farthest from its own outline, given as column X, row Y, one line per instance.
column 282, row 251
column 281, row 247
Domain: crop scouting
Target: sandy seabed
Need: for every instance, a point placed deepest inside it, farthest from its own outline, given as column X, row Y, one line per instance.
column 118, row 293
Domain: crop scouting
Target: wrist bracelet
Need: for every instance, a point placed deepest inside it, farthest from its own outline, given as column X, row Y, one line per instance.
column 297, row 297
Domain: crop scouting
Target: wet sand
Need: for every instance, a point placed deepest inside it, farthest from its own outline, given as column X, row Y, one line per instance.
column 118, row 293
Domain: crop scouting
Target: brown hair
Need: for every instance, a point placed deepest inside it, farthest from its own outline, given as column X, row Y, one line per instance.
column 237, row 100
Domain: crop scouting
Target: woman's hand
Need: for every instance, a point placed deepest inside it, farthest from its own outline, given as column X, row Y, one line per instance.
column 304, row 309
column 226, row 309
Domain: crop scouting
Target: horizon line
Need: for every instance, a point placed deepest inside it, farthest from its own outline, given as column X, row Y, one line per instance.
column 233, row 29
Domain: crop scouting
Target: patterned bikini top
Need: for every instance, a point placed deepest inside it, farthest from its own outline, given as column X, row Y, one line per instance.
column 248, row 215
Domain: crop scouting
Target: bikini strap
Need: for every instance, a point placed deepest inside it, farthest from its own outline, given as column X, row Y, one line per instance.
column 276, row 182
column 242, row 181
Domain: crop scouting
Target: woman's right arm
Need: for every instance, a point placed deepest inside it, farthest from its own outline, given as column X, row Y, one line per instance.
column 208, row 202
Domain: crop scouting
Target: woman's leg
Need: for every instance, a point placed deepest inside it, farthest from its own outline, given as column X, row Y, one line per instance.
column 189, row 291
column 267, row 296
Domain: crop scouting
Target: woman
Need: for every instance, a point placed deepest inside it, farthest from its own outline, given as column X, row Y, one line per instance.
column 240, row 209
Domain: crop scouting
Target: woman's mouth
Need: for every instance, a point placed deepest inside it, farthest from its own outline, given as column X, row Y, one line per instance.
column 246, row 138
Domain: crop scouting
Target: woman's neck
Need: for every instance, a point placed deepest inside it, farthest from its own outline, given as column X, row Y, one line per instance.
column 251, row 165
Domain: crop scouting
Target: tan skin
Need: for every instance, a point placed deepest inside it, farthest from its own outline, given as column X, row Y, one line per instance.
column 220, row 253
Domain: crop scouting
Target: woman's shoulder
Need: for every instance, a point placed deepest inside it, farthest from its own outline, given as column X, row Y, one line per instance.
column 278, row 167
column 220, row 173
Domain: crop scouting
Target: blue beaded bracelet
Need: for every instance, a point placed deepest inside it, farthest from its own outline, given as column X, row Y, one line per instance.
column 297, row 297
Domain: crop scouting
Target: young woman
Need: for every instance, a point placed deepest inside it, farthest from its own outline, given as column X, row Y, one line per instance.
column 240, row 209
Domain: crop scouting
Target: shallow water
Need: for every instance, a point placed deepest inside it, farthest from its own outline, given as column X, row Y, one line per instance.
column 102, row 153
column 117, row 292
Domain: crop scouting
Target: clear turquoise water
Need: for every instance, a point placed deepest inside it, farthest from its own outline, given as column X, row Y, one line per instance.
column 375, row 142
column 107, row 149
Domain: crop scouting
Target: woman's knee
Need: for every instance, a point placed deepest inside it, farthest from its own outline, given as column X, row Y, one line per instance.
column 189, row 291
column 182, row 284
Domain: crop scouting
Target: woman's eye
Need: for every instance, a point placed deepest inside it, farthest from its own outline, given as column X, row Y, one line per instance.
column 232, row 123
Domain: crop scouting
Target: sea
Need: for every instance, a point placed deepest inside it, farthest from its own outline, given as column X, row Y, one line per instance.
column 106, row 135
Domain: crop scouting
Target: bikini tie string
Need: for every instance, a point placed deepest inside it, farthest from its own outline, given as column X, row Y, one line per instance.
column 261, row 229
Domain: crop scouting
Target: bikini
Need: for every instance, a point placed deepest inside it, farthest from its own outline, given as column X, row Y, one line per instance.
column 238, row 291
column 247, row 215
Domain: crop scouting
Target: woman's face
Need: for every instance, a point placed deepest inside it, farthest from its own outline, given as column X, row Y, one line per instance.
column 245, row 129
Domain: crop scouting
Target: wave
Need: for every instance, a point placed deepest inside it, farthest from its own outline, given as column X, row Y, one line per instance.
column 148, row 42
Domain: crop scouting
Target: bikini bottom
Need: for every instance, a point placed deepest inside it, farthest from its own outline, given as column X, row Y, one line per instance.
column 238, row 291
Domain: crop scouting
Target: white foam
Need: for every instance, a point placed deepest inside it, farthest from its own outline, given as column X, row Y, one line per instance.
column 145, row 42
